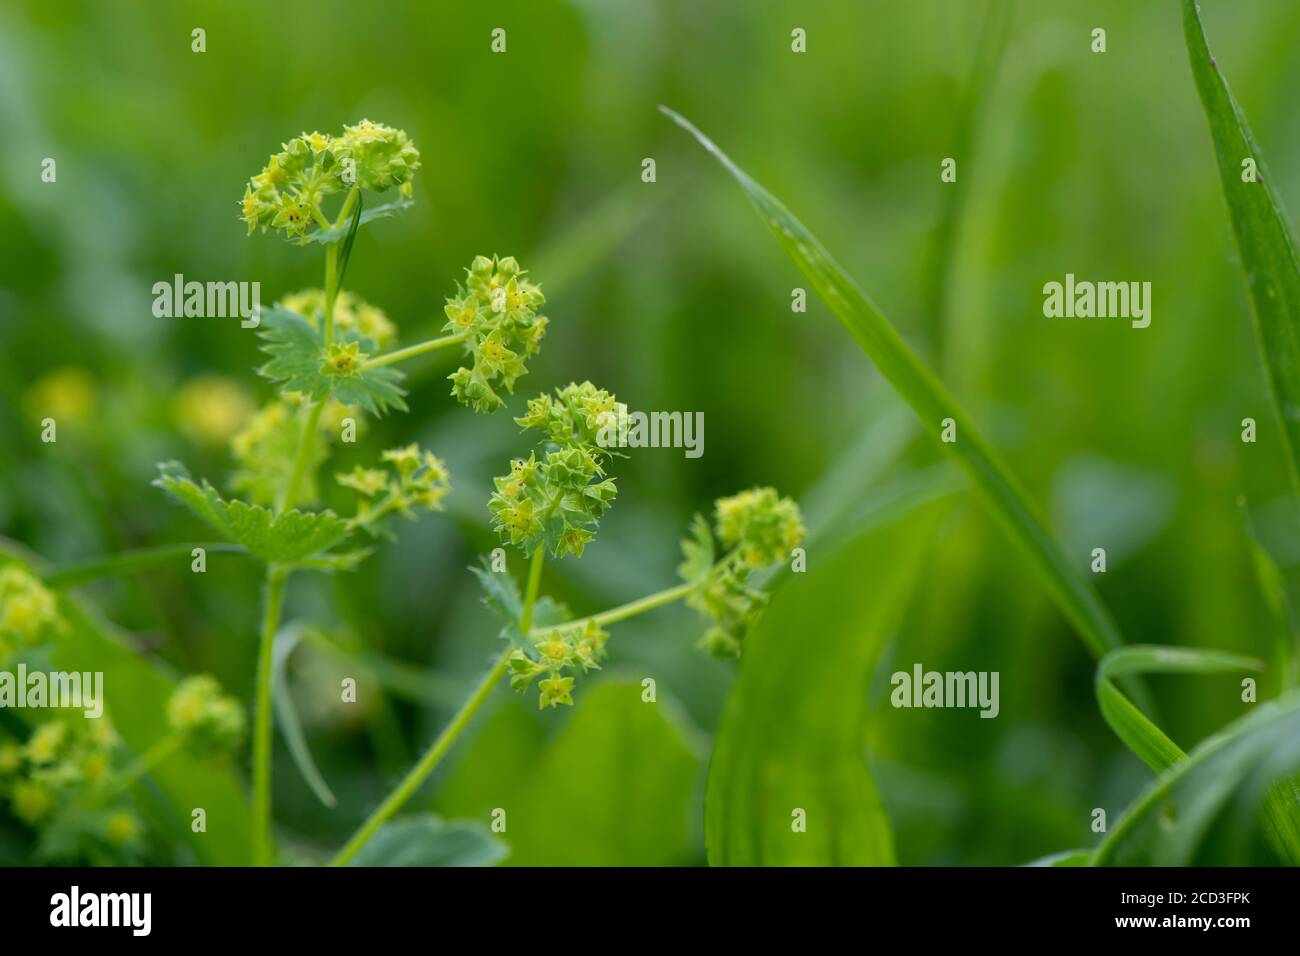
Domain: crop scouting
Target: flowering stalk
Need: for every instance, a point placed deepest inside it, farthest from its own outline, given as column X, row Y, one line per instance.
column 433, row 756
column 401, row 355
column 276, row 576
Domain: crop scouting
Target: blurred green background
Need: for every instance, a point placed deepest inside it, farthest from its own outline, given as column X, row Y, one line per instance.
column 674, row 296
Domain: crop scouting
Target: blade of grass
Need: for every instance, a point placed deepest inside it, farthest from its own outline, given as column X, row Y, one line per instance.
column 988, row 57
column 1263, row 237
column 287, row 716
column 1154, row 747
column 931, row 402
column 1179, row 819
column 1138, row 732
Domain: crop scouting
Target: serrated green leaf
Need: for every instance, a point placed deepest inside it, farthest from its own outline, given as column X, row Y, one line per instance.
column 1263, row 236
column 910, row 377
column 698, row 552
column 340, row 231
column 501, row 595
column 286, row 538
column 428, row 841
column 1204, row 809
column 792, row 732
column 298, row 364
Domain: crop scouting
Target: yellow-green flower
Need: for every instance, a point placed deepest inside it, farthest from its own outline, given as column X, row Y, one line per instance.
column 554, row 691
column 209, row 721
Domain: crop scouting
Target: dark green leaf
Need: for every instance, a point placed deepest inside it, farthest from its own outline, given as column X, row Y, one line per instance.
column 428, row 841
column 792, row 734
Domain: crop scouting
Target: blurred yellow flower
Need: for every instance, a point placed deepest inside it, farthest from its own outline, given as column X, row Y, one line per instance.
column 66, row 394
column 210, row 409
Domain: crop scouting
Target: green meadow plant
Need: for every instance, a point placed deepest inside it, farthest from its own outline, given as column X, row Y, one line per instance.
column 332, row 356
column 549, row 505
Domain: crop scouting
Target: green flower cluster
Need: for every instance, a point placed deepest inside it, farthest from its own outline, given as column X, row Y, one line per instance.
column 757, row 529
column 572, row 647
column 208, row 722
column 416, row 479
column 287, row 194
column 29, row 611
column 496, row 311
column 556, row 502
column 62, row 758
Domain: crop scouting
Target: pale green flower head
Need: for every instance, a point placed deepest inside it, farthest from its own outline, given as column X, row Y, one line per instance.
column 756, row 530
column 210, row 722
column 496, row 311
column 290, row 192
column 556, row 502
column 29, row 611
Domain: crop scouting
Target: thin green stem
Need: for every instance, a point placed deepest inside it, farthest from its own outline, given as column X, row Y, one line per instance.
column 534, row 585
column 401, row 355
column 411, row 783
column 420, row 772
column 331, row 290
column 302, row 455
column 132, row 772
column 276, row 576
column 624, row 611
column 128, row 562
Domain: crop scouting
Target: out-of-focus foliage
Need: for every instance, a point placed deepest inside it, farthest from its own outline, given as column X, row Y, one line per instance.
column 671, row 296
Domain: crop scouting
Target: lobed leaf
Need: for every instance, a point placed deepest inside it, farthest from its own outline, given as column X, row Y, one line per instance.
column 290, row 537
column 298, row 364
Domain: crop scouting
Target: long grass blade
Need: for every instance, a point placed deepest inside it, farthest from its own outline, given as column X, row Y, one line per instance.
column 1264, row 240
column 1138, row 732
column 932, row 404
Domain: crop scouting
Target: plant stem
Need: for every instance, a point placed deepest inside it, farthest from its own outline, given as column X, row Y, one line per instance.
column 534, row 584
column 126, row 562
column 331, row 292
column 276, row 576
column 401, row 355
column 132, row 772
column 305, row 441
column 624, row 611
column 411, row 783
